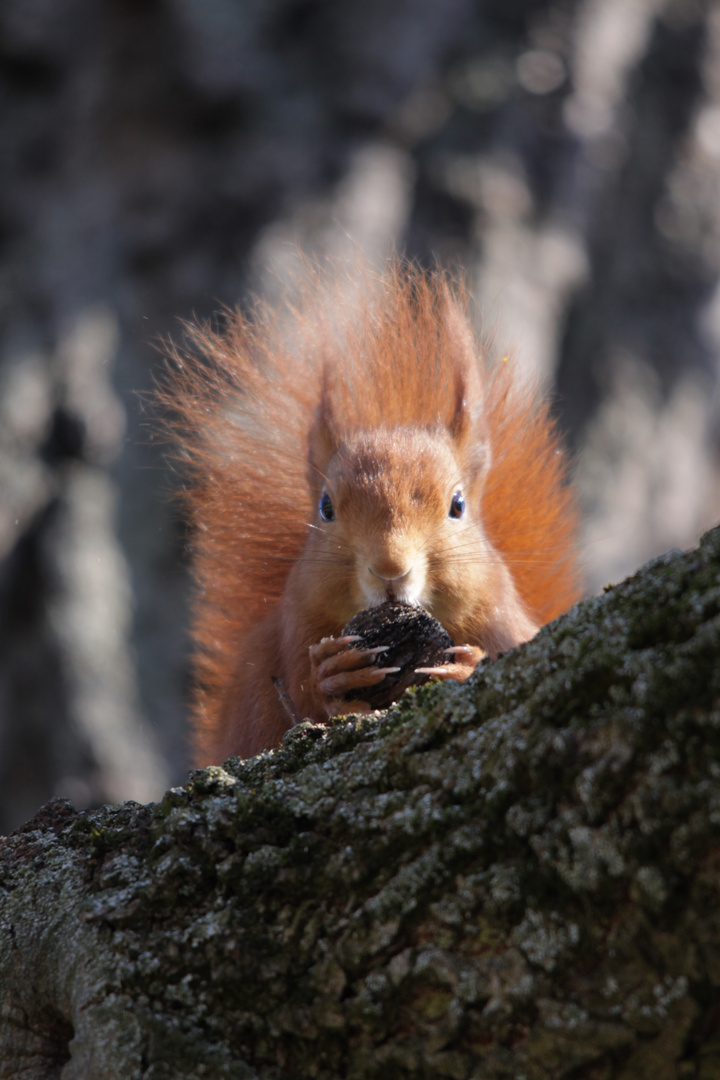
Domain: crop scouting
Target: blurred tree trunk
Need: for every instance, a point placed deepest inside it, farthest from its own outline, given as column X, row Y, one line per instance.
column 515, row 877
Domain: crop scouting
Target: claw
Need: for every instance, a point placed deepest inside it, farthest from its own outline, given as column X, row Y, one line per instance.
column 468, row 657
column 348, row 660
column 352, row 680
column 330, row 646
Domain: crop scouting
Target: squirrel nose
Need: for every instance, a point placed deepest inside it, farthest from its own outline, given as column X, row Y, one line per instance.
column 389, row 578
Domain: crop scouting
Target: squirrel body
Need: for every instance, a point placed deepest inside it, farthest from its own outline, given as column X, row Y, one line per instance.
column 348, row 448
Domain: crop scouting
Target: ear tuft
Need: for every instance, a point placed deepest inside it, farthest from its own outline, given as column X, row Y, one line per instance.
column 322, row 440
column 462, row 420
column 468, row 396
column 467, row 424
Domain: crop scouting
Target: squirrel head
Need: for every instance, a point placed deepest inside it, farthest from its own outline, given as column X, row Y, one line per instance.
column 397, row 478
column 395, row 519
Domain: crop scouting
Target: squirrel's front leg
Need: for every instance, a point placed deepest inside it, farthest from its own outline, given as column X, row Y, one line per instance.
column 336, row 669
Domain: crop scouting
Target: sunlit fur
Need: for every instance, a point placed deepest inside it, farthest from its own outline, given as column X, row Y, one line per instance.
column 370, row 388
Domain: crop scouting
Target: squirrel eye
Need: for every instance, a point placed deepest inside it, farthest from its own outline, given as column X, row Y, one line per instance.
column 457, row 505
column 325, row 506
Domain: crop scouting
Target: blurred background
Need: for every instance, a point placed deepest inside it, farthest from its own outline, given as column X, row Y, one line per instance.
column 162, row 158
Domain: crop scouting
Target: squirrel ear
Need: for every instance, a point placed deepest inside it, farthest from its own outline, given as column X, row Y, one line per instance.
column 467, row 424
column 467, row 411
column 322, row 441
column 467, row 389
column 468, row 430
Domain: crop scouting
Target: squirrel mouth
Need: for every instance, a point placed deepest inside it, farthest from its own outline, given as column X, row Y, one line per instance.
column 403, row 589
column 394, row 596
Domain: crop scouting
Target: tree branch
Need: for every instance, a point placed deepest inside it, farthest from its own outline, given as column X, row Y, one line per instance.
column 513, row 877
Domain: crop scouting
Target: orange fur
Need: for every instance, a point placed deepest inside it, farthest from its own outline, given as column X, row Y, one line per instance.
column 287, row 401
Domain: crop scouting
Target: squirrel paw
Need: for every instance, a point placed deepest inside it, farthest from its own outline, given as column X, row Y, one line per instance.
column 337, row 669
column 467, row 658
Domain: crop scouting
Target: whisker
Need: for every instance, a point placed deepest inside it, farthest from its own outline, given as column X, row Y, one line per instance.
column 319, row 472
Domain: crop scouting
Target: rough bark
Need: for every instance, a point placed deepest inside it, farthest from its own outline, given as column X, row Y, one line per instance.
column 515, row 877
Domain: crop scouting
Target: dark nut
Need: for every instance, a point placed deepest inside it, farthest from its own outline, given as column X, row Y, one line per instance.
column 414, row 639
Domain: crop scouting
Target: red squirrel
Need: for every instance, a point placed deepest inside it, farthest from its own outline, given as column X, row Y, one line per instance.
column 349, row 447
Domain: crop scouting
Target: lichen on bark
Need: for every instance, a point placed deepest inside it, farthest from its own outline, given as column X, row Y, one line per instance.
column 514, row 877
